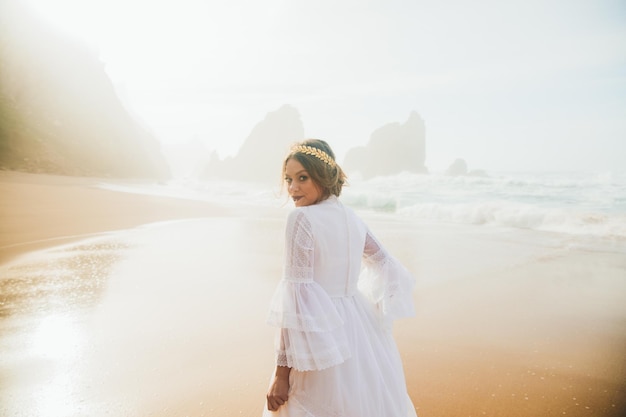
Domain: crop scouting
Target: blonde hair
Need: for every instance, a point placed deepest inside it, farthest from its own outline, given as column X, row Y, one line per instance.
column 318, row 159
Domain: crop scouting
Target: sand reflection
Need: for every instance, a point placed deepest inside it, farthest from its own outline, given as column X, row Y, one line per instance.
column 59, row 339
column 46, row 299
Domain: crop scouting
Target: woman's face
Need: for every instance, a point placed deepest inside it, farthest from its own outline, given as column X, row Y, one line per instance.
column 302, row 189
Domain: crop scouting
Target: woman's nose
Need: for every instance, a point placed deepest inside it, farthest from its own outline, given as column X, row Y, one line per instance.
column 292, row 186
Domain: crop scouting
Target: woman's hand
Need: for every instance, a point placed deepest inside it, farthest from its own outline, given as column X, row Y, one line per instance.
column 277, row 394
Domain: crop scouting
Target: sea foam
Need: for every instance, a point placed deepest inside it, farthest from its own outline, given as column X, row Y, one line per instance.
column 572, row 203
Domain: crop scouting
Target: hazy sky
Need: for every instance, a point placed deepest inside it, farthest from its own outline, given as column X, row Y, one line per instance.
column 507, row 85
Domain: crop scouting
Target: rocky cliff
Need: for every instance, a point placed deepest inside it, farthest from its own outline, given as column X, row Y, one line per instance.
column 392, row 148
column 59, row 112
column 260, row 157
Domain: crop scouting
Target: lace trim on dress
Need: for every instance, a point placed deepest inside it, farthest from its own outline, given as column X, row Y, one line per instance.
column 300, row 247
column 322, row 359
column 298, row 273
column 317, row 323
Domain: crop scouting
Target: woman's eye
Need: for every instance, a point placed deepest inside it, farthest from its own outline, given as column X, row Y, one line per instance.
column 303, row 178
column 288, row 180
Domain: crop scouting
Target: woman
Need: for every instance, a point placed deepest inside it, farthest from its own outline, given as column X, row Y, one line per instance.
column 335, row 354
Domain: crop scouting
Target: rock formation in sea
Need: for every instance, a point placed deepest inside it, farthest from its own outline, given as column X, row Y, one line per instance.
column 260, row 157
column 392, row 148
column 458, row 167
column 59, row 111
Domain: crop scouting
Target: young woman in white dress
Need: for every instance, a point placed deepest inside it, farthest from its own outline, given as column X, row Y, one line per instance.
column 335, row 353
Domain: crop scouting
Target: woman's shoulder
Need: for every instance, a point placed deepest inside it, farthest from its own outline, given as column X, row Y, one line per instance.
column 308, row 214
column 295, row 213
column 300, row 216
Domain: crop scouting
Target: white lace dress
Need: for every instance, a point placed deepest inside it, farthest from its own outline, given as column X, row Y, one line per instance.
column 334, row 318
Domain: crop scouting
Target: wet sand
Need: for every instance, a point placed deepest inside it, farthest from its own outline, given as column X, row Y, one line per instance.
column 167, row 319
column 40, row 211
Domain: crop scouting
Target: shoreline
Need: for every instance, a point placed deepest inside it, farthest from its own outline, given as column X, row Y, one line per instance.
column 40, row 210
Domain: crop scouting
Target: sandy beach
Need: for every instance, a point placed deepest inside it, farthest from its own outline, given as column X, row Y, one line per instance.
column 119, row 304
column 40, row 211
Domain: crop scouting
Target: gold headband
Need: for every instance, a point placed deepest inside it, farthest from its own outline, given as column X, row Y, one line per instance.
column 318, row 153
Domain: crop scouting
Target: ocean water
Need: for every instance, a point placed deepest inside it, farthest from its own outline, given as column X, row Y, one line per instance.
column 581, row 204
column 572, row 203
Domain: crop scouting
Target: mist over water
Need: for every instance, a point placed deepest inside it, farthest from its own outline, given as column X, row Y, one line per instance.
column 551, row 98
column 570, row 203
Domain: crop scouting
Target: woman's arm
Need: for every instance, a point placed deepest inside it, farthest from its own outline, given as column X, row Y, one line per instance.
column 278, row 392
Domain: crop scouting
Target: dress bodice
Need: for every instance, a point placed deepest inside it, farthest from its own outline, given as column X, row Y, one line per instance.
column 328, row 244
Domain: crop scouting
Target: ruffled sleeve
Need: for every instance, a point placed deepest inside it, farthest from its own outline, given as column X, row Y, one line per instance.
column 386, row 282
column 311, row 333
